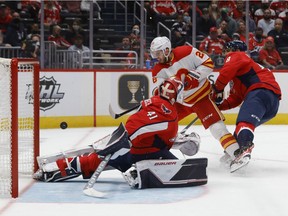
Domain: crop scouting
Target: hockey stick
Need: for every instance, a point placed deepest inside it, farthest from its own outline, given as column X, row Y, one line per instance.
column 117, row 115
column 88, row 189
column 189, row 125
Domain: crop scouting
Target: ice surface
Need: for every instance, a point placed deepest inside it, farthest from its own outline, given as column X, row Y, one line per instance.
column 258, row 190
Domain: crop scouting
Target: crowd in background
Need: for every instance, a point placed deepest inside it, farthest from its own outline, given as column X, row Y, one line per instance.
column 217, row 23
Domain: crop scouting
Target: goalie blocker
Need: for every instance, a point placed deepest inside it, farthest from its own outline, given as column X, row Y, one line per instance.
column 167, row 173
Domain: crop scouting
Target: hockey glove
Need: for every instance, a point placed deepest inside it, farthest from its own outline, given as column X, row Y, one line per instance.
column 217, row 95
column 188, row 144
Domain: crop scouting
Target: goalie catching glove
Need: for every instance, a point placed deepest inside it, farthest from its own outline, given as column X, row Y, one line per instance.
column 188, row 144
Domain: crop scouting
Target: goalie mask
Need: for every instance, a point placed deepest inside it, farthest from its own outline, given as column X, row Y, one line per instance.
column 160, row 45
column 172, row 90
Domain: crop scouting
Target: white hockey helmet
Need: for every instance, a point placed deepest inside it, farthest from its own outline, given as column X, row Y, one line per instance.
column 160, row 44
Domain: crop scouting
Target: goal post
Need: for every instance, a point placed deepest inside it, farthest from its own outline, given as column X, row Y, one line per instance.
column 19, row 122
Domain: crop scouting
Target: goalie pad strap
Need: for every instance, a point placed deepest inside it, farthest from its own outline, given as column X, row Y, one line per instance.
column 171, row 173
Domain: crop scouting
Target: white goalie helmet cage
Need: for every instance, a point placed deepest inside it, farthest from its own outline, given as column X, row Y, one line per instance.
column 170, row 89
column 160, row 44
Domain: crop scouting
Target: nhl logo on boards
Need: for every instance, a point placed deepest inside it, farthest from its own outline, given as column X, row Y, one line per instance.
column 49, row 93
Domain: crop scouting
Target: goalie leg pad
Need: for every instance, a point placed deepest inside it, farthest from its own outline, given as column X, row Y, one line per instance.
column 118, row 140
column 46, row 159
column 171, row 173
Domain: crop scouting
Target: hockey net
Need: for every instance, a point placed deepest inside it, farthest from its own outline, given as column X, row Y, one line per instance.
column 19, row 122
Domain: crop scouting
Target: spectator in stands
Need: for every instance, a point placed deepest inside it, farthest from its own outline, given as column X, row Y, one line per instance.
column 183, row 6
column 181, row 30
column 231, row 23
column 83, row 50
column 228, row 4
column 16, row 33
column 222, row 31
column 163, row 10
column 284, row 16
column 279, row 35
column 238, row 12
column 78, row 44
column 31, row 47
column 135, row 46
column 34, row 29
column 58, row 39
column 125, row 45
column 5, row 17
column 204, row 23
column 256, row 42
column 31, row 10
column 214, row 10
column 135, row 35
column 279, row 6
column 212, row 45
column 74, row 30
column 2, row 39
column 241, row 30
column 259, row 13
column 52, row 11
column 266, row 23
column 69, row 7
column 269, row 56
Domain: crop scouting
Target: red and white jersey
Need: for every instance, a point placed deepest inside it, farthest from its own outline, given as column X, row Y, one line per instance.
column 279, row 5
column 272, row 56
column 166, row 7
column 212, row 46
column 153, row 127
column 191, row 59
column 254, row 44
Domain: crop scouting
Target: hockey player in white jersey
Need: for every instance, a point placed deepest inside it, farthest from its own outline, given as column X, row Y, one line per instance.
column 191, row 67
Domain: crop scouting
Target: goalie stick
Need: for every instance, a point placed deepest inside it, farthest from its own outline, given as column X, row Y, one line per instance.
column 118, row 115
column 88, row 189
column 119, row 135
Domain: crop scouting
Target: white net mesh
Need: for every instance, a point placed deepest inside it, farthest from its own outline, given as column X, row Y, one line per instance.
column 25, row 118
column 5, row 128
column 25, row 123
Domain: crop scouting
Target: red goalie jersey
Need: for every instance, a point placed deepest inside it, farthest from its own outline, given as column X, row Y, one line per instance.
column 154, row 127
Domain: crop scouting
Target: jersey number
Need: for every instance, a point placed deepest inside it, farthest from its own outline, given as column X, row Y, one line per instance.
column 200, row 54
column 152, row 115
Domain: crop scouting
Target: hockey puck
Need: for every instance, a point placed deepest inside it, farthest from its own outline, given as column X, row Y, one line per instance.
column 63, row 125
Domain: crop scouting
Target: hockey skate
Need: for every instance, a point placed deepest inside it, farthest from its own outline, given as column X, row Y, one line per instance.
column 131, row 177
column 226, row 160
column 51, row 173
column 40, row 175
column 243, row 156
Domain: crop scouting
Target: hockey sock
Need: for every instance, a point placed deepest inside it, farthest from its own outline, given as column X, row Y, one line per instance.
column 244, row 133
column 229, row 143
